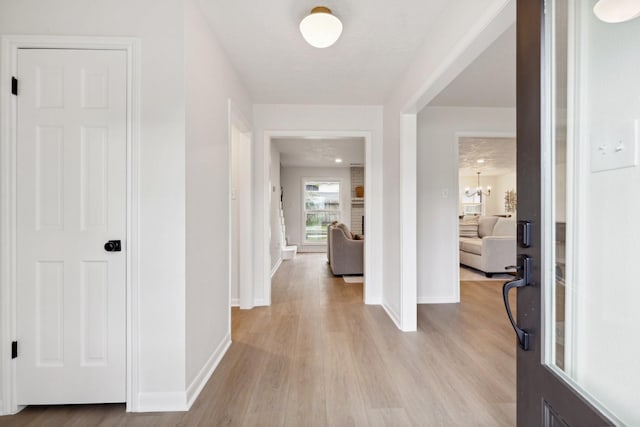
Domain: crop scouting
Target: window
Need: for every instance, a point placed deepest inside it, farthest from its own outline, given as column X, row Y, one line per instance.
column 321, row 200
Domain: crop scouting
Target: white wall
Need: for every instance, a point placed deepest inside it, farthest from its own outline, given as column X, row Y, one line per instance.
column 323, row 119
column 606, row 287
column 438, row 173
column 210, row 82
column 162, row 160
column 464, row 29
column 275, row 246
column 293, row 203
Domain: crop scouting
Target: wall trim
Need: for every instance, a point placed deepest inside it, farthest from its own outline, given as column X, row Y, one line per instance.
column 175, row 401
column 276, row 267
column 235, row 118
column 198, row 383
column 235, row 302
column 438, row 300
column 392, row 314
column 8, row 190
column 408, row 222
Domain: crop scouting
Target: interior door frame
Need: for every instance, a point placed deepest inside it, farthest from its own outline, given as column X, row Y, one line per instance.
column 10, row 45
column 370, row 208
column 245, row 287
column 540, row 388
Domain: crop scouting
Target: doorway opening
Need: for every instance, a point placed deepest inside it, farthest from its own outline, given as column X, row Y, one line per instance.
column 487, row 203
column 240, row 211
column 317, row 203
column 272, row 193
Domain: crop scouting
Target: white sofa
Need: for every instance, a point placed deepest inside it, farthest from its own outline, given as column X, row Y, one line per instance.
column 494, row 247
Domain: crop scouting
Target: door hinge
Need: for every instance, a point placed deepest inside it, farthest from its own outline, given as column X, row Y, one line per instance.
column 14, row 349
column 14, row 86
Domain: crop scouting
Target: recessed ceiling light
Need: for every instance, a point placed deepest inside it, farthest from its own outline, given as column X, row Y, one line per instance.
column 480, row 160
column 321, row 28
column 338, row 160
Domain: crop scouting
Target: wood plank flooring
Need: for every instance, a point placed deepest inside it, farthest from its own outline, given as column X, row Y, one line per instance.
column 319, row 357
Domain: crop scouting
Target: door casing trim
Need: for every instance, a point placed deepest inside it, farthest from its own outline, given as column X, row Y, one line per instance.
column 10, row 44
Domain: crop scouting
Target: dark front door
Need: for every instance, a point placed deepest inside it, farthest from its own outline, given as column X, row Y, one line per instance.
column 576, row 101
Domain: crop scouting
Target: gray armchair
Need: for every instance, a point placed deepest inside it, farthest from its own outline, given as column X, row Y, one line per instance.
column 346, row 255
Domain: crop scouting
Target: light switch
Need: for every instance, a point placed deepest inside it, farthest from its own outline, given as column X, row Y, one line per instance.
column 615, row 146
column 445, row 193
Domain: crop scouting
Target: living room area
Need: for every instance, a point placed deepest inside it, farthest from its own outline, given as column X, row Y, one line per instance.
column 487, row 206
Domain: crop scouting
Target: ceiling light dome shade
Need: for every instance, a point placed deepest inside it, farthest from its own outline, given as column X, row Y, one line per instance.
column 615, row 11
column 321, row 28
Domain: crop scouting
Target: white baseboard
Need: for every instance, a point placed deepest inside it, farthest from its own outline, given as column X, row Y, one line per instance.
column 275, row 267
column 162, row 402
column 438, row 300
column 235, row 302
column 393, row 315
column 198, row 383
column 7, row 411
column 182, row 400
column 259, row 303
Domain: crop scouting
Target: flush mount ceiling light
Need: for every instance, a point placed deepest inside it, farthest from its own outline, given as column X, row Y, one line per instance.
column 338, row 160
column 615, row 11
column 321, row 28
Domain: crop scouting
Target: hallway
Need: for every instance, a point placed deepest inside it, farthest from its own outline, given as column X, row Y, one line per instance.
column 318, row 356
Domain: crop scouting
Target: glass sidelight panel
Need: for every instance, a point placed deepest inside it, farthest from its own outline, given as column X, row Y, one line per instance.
column 590, row 208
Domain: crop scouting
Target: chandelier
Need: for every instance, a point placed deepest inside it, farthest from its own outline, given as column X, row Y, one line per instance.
column 478, row 191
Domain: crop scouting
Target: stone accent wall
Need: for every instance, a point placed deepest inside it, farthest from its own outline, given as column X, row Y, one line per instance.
column 357, row 207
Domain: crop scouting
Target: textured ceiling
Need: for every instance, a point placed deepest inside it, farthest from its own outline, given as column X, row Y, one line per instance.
column 489, row 81
column 379, row 41
column 499, row 155
column 299, row 152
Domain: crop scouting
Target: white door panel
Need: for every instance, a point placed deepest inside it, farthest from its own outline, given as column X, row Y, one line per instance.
column 71, row 199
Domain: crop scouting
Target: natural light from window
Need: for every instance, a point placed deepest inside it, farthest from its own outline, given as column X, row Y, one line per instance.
column 321, row 208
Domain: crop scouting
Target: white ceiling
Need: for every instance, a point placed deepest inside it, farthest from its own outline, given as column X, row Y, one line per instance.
column 489, row 81
column 499, row 155
column 379, row 40
column 301, row 152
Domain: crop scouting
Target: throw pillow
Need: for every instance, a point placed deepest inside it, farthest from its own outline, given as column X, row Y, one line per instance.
column 468, row 229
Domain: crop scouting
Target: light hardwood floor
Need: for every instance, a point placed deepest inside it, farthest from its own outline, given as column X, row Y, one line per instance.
column 319, row 357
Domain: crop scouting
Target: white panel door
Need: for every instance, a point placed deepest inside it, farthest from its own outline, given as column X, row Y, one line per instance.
column 71, row 199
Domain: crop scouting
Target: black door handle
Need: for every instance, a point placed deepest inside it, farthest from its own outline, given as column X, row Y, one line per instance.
column 113, row 246
column 524, row 268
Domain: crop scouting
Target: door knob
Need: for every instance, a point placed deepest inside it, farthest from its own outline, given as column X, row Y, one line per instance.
column 524, row 269
column 113, row 246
